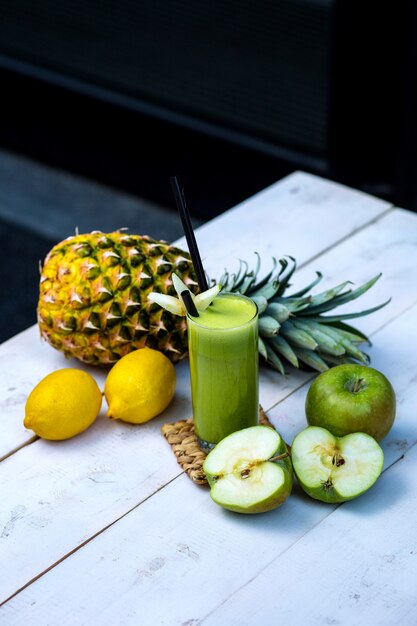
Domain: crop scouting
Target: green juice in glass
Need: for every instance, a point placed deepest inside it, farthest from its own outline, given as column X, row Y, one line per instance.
column 223, row 348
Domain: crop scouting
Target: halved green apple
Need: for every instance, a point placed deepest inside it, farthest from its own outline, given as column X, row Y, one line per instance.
column 335, row 469
column 250, row 471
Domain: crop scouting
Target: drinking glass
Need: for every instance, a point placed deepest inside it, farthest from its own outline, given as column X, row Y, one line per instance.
column 223, row 350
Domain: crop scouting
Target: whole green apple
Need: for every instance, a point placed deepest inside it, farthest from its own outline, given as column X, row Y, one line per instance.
column 351, row 398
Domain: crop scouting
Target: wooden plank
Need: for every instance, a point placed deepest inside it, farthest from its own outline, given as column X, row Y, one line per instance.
column 180, row 559
column 358, row 566
column 24, row 361
column 302, row 215
column 105, row 441
column 166, row 571
column 291, row 211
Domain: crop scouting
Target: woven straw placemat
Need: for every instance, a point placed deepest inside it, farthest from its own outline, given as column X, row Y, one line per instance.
column 183, row 441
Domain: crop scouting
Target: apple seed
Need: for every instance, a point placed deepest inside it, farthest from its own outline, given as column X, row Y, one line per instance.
column 338, row 460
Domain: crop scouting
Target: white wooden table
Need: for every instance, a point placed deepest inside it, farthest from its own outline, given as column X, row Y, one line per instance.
column 105, row 529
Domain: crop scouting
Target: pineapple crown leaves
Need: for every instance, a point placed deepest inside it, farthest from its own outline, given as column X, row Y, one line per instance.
column 292, row 327
column 296, row 328
column 176, row 305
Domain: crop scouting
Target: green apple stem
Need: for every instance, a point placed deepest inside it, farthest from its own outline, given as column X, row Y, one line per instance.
column 279, row 457
column 356, row 385
column 246, row 471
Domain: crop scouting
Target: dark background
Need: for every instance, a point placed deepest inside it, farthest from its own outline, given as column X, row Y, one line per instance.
column 229, row 95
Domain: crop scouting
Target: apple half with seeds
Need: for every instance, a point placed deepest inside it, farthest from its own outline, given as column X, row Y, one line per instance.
column 335, row 469
column 250, row 471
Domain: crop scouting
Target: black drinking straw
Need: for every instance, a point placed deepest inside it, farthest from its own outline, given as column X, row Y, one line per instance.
column 189, row 234
column 189, row 304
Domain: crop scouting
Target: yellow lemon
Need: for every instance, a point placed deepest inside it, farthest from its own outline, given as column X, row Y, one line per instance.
column 140, row 386
column 63, row 404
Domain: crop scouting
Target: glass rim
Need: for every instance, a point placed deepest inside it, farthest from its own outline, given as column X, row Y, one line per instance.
column 195, row 321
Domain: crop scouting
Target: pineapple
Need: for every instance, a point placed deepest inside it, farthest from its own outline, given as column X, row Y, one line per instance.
column 94, row 304
column 93, row 297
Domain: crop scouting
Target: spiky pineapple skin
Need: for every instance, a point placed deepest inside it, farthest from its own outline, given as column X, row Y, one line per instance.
column 93, row 297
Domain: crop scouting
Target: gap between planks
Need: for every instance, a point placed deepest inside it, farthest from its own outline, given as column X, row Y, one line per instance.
column 17, row 448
